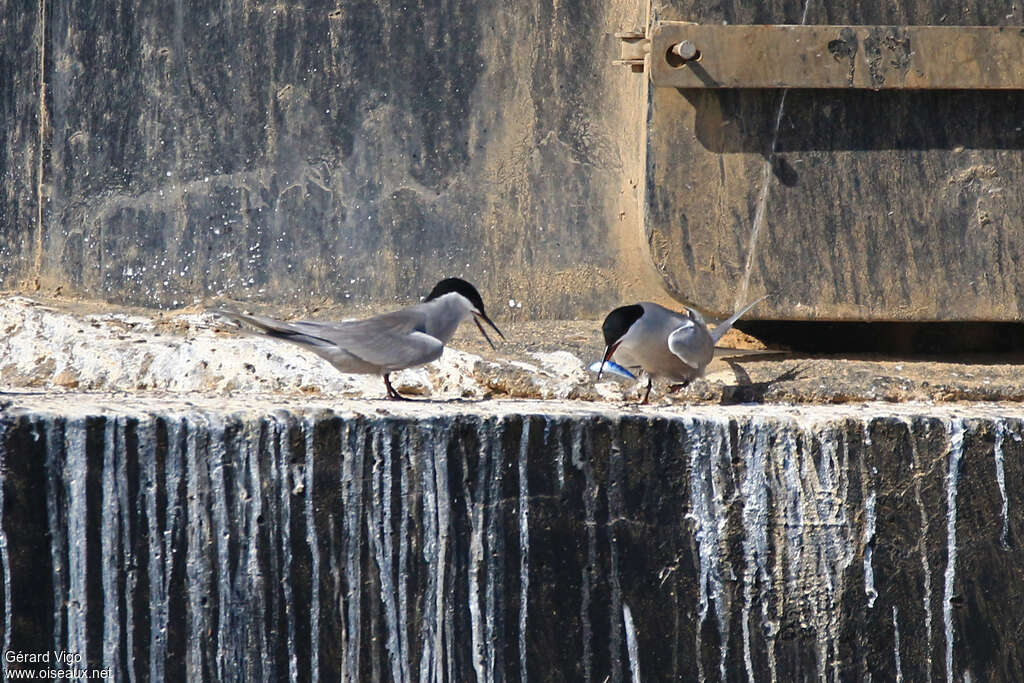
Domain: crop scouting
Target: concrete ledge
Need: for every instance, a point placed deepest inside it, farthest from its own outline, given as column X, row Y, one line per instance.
column 373, row 541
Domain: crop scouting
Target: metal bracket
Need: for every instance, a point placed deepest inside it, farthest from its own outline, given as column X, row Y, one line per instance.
column 687, row 55
column 633, row 49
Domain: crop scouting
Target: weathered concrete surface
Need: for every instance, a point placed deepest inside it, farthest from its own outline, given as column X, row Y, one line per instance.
column 20, row 139
column 847, row 205
column 488, row 540
column 306, row 151
column 300, row 152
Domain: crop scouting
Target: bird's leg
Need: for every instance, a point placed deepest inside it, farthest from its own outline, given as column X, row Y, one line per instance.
column 392, row 394
column 676, row 387
column 650, row 381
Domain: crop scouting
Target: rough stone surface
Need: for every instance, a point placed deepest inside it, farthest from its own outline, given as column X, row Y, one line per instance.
column 296, row 540
column 57, row 346
column 844, row 205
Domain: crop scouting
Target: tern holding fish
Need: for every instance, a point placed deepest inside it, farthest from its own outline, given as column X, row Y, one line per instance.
column 662, row 342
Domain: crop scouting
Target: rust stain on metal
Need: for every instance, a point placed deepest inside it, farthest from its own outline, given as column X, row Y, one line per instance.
column 872, row 57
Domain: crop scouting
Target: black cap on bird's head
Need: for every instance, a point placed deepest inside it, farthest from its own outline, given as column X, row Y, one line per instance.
column 615, row 327
column 455, row 285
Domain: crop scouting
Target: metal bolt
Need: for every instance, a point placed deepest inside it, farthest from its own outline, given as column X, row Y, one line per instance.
column 685, row 50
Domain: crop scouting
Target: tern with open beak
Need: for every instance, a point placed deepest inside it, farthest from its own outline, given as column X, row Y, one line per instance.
column 407, row 338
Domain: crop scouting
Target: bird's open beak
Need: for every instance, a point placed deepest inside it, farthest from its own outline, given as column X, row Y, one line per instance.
column 609, row 350
column 477, row 317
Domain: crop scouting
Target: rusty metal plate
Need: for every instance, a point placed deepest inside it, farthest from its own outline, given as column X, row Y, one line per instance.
column 897, row 205
column 873, row 57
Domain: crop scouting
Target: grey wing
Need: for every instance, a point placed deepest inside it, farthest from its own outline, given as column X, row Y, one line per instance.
column 393, row 340
column 691, row 344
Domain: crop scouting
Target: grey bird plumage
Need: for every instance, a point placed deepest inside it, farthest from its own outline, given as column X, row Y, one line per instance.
column 407, row 338
column 666, row 344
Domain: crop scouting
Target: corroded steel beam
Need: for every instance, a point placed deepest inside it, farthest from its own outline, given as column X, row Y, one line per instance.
column 687, row 55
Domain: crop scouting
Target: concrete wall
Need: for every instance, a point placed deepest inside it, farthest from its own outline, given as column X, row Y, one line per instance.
column 304, row 151
column 296, row 151
column 498, row 541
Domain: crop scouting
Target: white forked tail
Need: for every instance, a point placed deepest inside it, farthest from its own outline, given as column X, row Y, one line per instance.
column 724, row 326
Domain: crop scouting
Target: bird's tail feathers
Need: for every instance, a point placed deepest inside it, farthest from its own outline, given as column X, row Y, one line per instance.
column 260, row 326
column 727, row 324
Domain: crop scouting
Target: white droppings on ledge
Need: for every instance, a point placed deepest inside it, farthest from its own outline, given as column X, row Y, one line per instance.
column 896, row 643
column 312, row 541
column 997, row 455
column 524, row 544
column 379, row 531
column 474, row 496
column 753, row 447
column 917, row 470
column 709, row 443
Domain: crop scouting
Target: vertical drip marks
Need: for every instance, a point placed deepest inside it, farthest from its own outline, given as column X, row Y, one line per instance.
column 997, row 455
column 154, row 549
column 5, row 555
column 230, row 651
column 869, row 543
column 956, row 450
column 787, row 487
column 709, row 442
column 282, row 459
column 379, row 522
column 309, row 428
column 631, row 643
column 255, row 534
column 75, row 481
column 114, row 480
column 475, row 513
column 581, row 462
column 559, row 450
column 56, row 515
column 812, row 536
column 524, row 544
column 405, row 495
column 353, row 457
column 436, row 530
column 495, row 594
column 174, row 535
column 616, row 513
column 870, row 519
column 753, row 445
column 896, row 643
column 199, row 576
column 923, row 546
column 830, row 531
